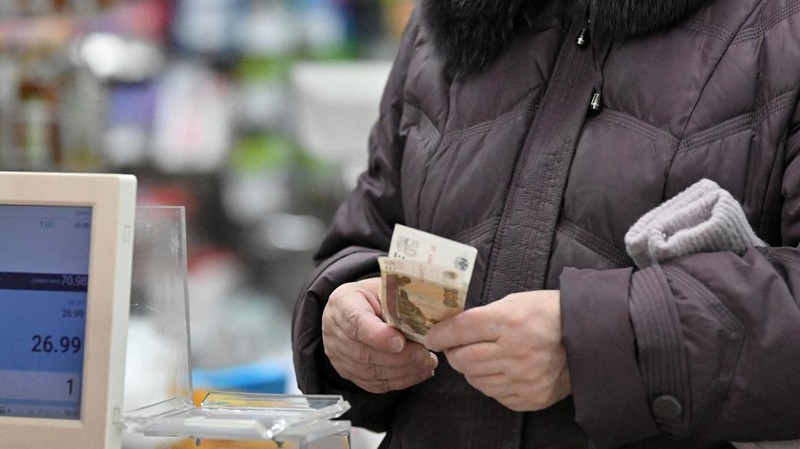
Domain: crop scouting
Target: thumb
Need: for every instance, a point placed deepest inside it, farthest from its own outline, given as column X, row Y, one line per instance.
column 368, row 328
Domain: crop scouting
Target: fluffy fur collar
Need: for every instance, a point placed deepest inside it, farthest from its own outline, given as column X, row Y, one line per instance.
column 470, row 34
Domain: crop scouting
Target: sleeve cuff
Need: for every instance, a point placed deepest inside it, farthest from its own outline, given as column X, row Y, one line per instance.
column 610, row 401
column 313, row 370
column 346, row 266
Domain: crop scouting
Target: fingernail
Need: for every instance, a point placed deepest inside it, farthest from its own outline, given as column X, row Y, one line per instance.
column 396, row 344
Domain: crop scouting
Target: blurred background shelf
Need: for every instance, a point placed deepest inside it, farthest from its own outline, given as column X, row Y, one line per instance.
column 253, row 114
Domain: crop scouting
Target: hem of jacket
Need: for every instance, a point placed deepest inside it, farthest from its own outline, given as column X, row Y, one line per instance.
column 610, row 400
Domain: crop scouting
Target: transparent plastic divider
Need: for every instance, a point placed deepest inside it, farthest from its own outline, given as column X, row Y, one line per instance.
column 159, row 312
column 159, row 331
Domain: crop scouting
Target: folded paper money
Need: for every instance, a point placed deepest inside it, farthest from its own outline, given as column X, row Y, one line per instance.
column 425, row 280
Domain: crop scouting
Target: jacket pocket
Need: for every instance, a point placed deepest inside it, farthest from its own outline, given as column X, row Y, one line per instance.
column 575, row 247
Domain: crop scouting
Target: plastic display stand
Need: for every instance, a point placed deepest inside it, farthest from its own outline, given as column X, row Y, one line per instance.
column 159, row 297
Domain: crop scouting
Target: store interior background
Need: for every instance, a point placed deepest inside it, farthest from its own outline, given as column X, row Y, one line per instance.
column 252, row 114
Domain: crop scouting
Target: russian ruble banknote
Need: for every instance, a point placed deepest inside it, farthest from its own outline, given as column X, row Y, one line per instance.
column 425, row 279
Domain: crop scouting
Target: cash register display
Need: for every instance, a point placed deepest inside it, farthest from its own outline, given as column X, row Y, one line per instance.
column 44, row 266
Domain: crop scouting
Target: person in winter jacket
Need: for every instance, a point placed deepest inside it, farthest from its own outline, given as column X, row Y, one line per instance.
column 539, row 131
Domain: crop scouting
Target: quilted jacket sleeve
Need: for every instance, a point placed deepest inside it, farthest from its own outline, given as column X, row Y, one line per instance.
column 705, row 346
column 361, row 231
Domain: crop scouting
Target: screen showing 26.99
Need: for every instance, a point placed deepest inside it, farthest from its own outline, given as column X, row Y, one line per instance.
column 44, row 266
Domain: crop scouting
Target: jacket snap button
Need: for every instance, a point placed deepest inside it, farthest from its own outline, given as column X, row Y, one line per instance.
column 667, row 407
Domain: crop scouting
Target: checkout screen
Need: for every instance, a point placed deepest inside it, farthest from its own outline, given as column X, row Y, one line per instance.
column 44, row 266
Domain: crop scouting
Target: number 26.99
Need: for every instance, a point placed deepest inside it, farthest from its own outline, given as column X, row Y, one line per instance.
column 45, row 343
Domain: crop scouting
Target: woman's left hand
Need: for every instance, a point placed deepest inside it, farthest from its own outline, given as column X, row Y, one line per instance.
column 510, row 349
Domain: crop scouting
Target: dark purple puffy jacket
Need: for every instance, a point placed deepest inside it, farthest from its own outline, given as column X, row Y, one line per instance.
column 493, row 144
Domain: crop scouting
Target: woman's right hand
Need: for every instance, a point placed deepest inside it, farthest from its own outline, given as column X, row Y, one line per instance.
column 365, row 350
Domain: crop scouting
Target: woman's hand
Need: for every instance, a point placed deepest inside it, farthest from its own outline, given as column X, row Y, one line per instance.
column 510, row 349
column 365, row 350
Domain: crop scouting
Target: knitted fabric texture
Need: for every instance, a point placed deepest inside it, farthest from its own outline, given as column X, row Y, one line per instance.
column 702, row 218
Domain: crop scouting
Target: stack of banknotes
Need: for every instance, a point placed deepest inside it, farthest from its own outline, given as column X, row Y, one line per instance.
column 425, row 279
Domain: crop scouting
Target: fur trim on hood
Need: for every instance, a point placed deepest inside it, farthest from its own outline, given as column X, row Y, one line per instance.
column 470, row 34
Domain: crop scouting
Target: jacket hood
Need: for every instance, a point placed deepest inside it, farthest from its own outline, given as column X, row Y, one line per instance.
column 470, row 34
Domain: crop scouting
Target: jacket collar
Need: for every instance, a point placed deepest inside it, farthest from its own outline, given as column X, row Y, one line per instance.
column 470, row 34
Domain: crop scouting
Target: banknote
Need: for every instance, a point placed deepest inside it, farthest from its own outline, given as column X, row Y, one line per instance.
column 413, row 244
column 425, row 279
column 416, row 295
